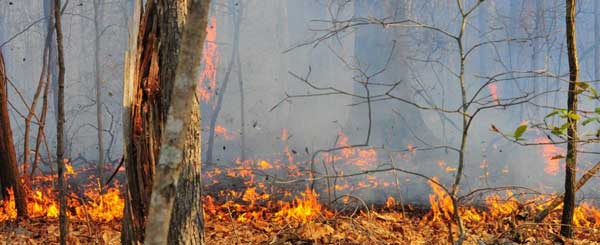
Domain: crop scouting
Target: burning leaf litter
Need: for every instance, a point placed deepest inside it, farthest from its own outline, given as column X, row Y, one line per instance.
column 261, row 213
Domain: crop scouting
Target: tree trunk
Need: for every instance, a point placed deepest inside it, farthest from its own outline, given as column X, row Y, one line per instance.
column 569, row 200
column 97, row 75
column 557, row 200
column 40, row 134
column 596, row 40
column 242, row 107
column 36, row 96
column 62, row 186
column 9, row 176
column 41, row 85
column 236, row 16
column 152, row 86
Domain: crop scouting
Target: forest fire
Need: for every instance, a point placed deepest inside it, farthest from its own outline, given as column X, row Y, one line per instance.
column 299, row 122
column 261, row 204
column 91, row 204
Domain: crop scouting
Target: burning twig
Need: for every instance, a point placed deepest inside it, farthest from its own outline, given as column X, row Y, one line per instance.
column 115, row 172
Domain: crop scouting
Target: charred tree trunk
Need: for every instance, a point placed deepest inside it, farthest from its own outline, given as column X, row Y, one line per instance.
column 153, row 72
column 571, row 174
column 62, row 185
column 9, row 174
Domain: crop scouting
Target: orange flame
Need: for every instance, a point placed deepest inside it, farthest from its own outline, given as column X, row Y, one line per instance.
column 220, row 130
column 69, row 169
column 390, row 202
column 42, row 202
column 441, row 203
column 494, row 92
column 208, row 78
column 552, row 154
column 8, row 211
column 303, row 209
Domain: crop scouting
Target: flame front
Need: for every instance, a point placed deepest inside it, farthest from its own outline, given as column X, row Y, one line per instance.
column 42, row 202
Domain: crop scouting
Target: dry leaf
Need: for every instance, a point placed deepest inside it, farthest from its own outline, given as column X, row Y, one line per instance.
column 316, row 231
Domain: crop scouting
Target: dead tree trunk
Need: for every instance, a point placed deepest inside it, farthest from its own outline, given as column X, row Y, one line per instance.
column 62, row 186
column 570, row 176
column 9, row 174
column 162, row 61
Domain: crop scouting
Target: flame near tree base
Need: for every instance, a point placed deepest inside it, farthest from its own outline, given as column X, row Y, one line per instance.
column 300, row 216
column 306, row 219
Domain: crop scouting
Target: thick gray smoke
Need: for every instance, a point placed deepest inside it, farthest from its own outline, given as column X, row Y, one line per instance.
column 283, row 42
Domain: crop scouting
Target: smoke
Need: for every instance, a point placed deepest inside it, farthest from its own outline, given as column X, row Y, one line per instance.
column 422, row 63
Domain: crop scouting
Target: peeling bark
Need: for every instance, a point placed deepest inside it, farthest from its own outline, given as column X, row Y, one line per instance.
column 162, row 67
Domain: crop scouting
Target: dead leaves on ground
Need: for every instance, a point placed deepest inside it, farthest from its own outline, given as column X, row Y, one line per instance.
column 43, row 231
column 387, row 227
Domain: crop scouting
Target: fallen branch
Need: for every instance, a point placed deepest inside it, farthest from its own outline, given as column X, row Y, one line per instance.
column 557, row 200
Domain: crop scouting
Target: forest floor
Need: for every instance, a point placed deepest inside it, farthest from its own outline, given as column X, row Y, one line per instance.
column 362, row 227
